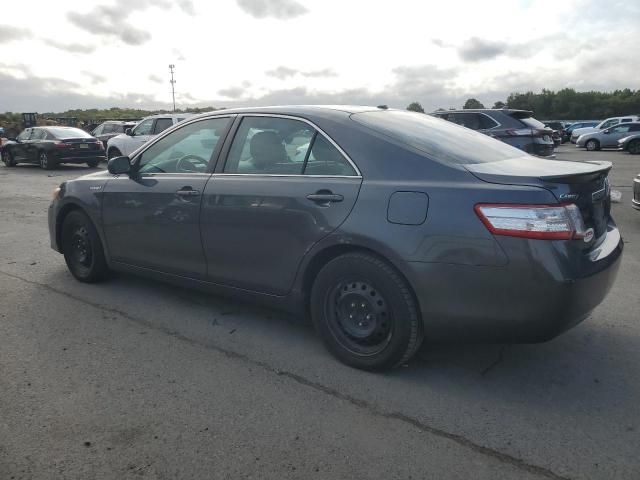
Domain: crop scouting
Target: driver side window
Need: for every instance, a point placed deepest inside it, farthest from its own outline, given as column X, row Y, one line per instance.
column 144, row 128
column 186, row 150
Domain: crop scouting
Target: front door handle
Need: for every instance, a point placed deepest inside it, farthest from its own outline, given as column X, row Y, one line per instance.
column 325, row 197
column 188, row 192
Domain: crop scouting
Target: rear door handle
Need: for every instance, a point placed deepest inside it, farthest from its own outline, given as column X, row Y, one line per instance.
column 188, row 192
column 322, row 197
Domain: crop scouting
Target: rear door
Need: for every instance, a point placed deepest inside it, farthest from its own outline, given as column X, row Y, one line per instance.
column 151, row 219
column 284, row 186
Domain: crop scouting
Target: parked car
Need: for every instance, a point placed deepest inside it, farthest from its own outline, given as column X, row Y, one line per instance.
column 515, row 127
column 570, row 128
column 635, row 201
column 149, row 127
column 631, row 144
column 51, row 146
column 609, row 122
column 391, row 227
column 110, row 129
column 558, row 127
column 607, row 138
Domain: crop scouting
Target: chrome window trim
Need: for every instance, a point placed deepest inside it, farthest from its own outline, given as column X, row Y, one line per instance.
column 319, row 130
column 298, row 175
column 497, row 123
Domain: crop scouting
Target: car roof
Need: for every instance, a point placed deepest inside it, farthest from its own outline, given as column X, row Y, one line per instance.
column 484, row 110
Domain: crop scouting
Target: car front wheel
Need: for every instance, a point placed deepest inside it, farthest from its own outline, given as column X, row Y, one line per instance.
column 592, row 145
column 365, row 312
column 634, row 147
column 7, row 158
column 113, row 152
column 82, row 248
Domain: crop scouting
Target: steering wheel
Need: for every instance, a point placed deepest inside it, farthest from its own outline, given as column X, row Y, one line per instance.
column 189, row 163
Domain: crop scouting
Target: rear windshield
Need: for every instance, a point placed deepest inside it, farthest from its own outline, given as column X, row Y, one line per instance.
column 63, row 133
column 442, row 140
column 532, row 122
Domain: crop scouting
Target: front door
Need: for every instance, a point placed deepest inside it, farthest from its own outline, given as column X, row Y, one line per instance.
column 20, row 149
column 139, row 136
column 610, row 140
column 151, row 219
column 283, row 187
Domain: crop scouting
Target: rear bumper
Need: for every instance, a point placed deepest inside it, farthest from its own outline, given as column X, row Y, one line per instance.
column 81, row 158
column 543, row 150
column 542, row 292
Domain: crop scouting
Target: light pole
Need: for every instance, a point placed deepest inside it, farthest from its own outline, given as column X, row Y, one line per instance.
column 172, row 81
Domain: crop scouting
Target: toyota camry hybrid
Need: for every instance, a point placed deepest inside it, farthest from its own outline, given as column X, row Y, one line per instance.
column 386, row 227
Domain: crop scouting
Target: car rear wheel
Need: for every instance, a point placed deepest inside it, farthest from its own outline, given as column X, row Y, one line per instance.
column 82, row 248
column 93, row 163
column 592, row 145
column 634, row 147
column 113, row 152
column 7, row 158
column 365, row 312
column 45, row 162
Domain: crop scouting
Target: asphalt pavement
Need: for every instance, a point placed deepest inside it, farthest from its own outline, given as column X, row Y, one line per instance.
column 133, row 378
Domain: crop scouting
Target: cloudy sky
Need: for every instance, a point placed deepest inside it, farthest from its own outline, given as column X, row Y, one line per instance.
column 56, row 55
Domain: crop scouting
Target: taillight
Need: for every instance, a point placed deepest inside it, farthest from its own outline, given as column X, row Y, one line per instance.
column 100, row 145
column 518, row 132
column 58, row 144
column 547, row 222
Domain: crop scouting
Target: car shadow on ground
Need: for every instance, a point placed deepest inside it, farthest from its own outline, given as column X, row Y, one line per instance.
column 577, row 370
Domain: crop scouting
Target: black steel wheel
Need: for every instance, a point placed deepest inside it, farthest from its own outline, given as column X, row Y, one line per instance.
column 634, row 147
column 7, row 158
column 365, row 312
column 82, row 248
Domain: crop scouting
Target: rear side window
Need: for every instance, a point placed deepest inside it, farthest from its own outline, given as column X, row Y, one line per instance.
column 439, row 139
column 325, row 159
column 269, row 146
column 161, row 125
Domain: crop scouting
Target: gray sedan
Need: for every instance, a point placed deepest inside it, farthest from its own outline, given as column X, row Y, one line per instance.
column 607, row 138
column 630, row 144
column 384, row 226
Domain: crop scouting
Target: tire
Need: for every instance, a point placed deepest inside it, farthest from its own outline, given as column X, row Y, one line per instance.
column 113, row 152
column 46, row 163
column 592, row 145
column 93, row 163
column 7, row 158
column 365, row 312
column 634, row 147
column 82, row 248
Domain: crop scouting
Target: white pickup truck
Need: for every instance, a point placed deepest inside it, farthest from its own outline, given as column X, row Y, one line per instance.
column 148, row 128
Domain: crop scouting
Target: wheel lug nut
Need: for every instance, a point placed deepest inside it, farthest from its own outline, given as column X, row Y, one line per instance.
column 350, row 316
column 362, row 305
column 353, row 305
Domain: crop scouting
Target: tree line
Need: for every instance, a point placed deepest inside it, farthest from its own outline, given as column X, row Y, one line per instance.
column 565, row 104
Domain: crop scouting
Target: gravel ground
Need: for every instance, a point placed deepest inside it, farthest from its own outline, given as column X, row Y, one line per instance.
column 136, row 378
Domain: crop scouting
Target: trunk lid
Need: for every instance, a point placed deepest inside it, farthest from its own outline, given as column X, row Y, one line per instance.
column 583, row 183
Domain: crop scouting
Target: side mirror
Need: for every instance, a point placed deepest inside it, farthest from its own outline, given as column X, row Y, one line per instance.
column 119, row 165
column 129, row 132
column 606, row 132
